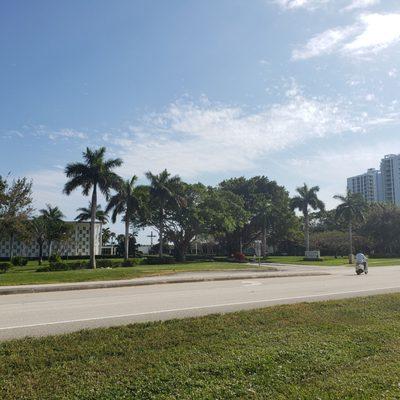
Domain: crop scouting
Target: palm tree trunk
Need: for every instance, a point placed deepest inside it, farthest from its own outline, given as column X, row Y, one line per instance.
column 161, row 233
column 40, row 253
column 307, row 231
column 11, row 253
column 160, row 249
column 126, row 237
column 49, row 246
column 264, row 241
column 350, row 243
column 92, row 228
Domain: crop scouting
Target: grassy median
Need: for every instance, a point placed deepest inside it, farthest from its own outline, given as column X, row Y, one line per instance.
column 330, row 261
column 329, row 350
column 28, row 275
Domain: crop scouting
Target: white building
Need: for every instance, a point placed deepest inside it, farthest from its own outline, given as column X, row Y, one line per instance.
column 382, row 185
column 369, row 185
column 77, row 244
column 390, row 170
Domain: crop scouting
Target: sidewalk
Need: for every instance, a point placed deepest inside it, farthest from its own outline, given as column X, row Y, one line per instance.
column 182, row 277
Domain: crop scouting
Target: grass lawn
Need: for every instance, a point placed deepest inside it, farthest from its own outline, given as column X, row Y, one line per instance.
column 330, row 261
column 346, row 349
column 28, row 275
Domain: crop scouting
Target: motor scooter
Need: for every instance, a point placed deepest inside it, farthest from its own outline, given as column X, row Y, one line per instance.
column 361, row 268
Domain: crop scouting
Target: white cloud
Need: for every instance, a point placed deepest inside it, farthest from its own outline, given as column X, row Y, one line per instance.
column 306, row 4
column 67, row 134
column 323, row 43
column 196, row 138
column 370, row 34
column 357, row 4
column 379, row 32
column 370, row 97
column 393, row 73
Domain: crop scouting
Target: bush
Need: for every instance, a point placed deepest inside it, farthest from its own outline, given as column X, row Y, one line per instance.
column 132, row 262
column 107, row 263
column 239, row 257
column 4, row 267
column 158, row 260
column 221, row 258
column 63, row 266
column 56, row 258
column 199, row 257
column 19, row 261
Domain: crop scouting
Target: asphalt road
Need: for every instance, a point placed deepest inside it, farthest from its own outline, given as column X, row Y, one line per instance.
column 41, row 314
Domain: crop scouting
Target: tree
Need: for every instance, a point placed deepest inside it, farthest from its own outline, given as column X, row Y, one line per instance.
column 94, row 174
column 306, row 198
column 85, row 214
column 130, row 200
column 382, row 227
column 336, row 242
column 105, row 236
column 352, row 209
column 54, row 225
column 163, row 194
column 268, row 214
column 15, row 209
column 203, row 210
column 132, row 244
column 38, row 227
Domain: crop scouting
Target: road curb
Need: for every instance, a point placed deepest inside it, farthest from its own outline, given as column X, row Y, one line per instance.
column 116, row 284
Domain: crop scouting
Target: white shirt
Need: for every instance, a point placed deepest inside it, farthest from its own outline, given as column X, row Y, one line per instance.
column 360, row 258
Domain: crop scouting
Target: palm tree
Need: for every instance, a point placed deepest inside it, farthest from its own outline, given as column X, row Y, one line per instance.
column 352, row 209
column 94, row 174
column 307, row 197
column 52, row 217
column 128, row 201
column 105, row 236
column 85, row 214
column 163, row 191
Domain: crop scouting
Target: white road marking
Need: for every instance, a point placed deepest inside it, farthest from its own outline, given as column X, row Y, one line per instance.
column 250, row 283
column 199, row 308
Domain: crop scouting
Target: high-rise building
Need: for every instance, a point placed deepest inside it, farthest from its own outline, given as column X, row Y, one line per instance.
column 369, row 185
column 379, row 185
column 390, row 170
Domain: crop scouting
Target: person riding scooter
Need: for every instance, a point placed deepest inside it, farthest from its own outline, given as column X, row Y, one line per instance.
column 361, row 260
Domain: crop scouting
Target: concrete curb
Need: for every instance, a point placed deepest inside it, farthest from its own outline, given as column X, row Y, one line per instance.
column 115, row 284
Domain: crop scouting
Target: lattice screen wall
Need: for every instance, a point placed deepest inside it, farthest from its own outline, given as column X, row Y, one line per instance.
column 76, row 245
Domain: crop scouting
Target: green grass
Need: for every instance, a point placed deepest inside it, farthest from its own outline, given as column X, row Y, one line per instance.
column 28, row 275
column 329, row 350
column 330, row 261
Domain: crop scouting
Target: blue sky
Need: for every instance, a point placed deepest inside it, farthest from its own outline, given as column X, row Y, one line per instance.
column 298, row 90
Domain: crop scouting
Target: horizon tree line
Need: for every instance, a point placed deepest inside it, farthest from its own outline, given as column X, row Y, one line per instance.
column 236, row 212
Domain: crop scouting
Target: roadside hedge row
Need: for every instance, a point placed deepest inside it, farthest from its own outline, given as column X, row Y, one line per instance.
column 4, row 267
column 105, row 263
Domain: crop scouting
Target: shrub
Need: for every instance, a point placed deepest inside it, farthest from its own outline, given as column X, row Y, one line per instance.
column 4, row 267
column 199, row 257
column 158, row 260
column 239, row 257
column 19, row 261
column 56, row 258
column 132, row 262
column 107, row 263
column 63, row 266
column 221, row 258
